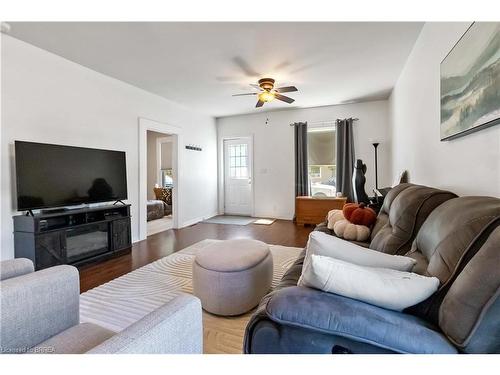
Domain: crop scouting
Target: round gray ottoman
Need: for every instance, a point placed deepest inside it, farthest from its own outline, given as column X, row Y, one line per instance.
column 231, row 277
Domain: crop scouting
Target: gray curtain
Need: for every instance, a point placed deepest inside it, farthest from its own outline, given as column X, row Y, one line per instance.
column 345, row 158
column 301, row 179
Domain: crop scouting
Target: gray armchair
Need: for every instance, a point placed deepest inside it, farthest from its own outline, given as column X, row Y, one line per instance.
column 40, row 314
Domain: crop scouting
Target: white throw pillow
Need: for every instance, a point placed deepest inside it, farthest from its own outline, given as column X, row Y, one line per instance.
column 390, row 289
column 324, row 244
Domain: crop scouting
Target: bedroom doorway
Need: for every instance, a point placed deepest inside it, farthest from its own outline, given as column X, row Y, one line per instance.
column 160, row 182
column 158, row 177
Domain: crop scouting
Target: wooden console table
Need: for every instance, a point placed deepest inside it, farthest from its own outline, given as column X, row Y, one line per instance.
column 309, row 210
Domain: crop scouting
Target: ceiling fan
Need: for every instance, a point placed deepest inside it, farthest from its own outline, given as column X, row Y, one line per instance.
column 267, row 92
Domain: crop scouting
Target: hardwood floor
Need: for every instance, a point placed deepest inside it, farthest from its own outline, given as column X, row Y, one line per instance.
column 159, row 225
column 281, row 232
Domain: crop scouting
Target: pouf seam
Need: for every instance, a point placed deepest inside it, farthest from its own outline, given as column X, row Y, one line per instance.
column 236, row 271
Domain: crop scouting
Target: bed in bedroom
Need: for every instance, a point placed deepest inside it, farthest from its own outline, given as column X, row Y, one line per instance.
column 156, row 209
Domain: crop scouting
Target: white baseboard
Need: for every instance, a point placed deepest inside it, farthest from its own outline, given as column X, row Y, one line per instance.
column 188, row 223
column 264, row 215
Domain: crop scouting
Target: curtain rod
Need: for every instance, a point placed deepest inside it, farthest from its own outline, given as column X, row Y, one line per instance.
column 325, row 122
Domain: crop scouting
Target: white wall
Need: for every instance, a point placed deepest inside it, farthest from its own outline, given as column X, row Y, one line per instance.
column 46, row 98
column 274, row 149
column 467, row 166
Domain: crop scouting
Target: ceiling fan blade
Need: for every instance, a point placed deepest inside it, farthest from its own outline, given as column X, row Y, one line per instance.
column 286, row 89
column 260, row 103
column 255, row 86
column 245, row 67
column 284, row 98
column 250, row 93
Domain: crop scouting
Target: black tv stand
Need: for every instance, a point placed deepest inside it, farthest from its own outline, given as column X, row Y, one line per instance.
column 53, row 210
column 75, row 237
column 119, row 201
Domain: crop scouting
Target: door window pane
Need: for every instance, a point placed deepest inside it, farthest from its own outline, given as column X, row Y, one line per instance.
column 238, row 161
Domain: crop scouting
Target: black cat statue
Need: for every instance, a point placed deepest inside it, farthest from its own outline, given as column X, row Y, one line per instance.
column 358, row 182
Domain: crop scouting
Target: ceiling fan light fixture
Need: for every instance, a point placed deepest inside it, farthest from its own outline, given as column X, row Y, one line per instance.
column 266, row 96
column 268, row 92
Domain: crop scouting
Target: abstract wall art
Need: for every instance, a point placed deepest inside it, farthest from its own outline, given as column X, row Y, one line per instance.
column 470, row 82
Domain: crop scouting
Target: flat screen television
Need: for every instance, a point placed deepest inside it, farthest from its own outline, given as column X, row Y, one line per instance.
column 50, row 176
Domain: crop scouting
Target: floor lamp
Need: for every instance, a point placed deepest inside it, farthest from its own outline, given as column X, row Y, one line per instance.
column 375, row 145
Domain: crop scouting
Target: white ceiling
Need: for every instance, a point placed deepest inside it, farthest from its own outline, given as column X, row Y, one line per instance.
column 200, row 65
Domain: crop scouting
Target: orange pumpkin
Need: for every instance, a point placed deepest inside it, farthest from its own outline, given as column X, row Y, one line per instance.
column 359, row 214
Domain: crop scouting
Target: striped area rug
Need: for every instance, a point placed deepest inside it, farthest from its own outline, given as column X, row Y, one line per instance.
column 123, row 301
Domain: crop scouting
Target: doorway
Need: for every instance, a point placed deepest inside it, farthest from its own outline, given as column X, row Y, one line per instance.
column 159, row 182
column 238, row 176
column 165, row 178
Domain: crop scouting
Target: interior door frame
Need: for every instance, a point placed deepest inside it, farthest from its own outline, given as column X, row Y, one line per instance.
column 177, row 134
column 222, row 169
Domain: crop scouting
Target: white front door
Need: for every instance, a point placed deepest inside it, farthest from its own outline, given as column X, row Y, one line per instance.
column 238, row 184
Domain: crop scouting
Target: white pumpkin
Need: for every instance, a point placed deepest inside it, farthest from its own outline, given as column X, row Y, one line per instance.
column 334, row 216
column 352, row 232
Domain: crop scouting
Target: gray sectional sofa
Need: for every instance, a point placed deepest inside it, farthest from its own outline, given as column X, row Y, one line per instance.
column 40, row 314
column 454, row 239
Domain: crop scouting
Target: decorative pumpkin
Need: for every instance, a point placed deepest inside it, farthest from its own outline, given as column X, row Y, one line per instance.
column 359, row 214
column 352, row 232
column 334, row 216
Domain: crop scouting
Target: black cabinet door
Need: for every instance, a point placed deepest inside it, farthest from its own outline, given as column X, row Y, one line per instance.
column 121, row 235
column 49, row 250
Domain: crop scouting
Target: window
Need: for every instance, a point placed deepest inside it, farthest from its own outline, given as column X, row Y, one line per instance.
column 238, row 161
column 166, row 177
column 321, row 144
